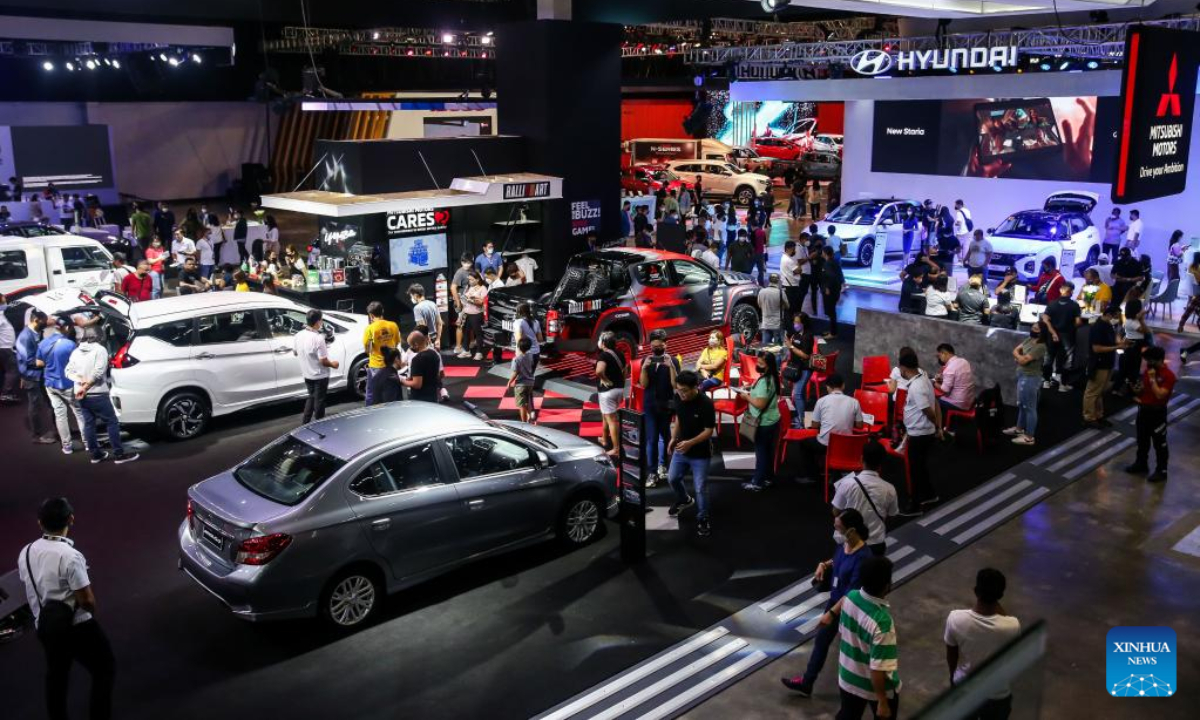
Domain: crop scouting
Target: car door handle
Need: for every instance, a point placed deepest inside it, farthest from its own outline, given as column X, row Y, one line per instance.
column 282, row 350
column 381, row 524
column 476, row 504
column 205, row 356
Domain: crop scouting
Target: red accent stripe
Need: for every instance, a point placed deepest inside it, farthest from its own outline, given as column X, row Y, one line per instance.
column 1127, row 120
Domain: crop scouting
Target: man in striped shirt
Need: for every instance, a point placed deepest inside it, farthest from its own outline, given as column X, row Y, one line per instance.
column 868, row 663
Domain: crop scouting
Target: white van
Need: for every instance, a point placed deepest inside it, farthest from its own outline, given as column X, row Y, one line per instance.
column 35, row 258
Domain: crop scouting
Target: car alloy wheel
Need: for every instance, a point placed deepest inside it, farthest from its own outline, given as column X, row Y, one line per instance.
column 185, row 417
column 358, row 378
column 352, row 600
column 745, row 196
column 866, row 252
column 583, row 518
column 744, row 322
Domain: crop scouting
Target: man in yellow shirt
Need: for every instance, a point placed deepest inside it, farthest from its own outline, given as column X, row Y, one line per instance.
column 712, row 362
column 378, row 335
column 1094, row 286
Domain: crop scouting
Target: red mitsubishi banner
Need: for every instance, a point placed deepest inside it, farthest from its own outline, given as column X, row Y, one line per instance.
column 1158, row 95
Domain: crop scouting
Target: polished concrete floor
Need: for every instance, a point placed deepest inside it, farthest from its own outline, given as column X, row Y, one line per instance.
column 1098, row 554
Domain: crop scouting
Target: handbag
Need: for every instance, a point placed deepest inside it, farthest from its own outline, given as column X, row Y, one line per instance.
column 55, row 617
column 820, row 363
column 871, row 502
column 748, row 426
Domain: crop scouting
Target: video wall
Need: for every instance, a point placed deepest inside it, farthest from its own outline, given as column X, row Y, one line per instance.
column 72, row 157
column 1059, row 138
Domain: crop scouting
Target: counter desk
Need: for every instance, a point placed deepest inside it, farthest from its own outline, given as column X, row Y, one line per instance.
column 347, row 298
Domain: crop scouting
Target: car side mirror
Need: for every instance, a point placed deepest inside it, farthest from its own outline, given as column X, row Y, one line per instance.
column 327, row 330
column 543, row 459
column 991, row 231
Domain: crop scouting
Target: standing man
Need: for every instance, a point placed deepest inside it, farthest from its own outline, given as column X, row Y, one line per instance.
column 309, row 345
column 922, row 426
column 425, row 312
column 1114, row 229
column 773, row 308
column 758, row 239
column 54, row 353
column 868, row 661
column 691, row 448
column 380, row 333
column 424, row 380
column 88, row 369
column 120, row 270
column 975, row 634
column 929, row 220
column 1102, row 336
column 977, row 255
column 964, row 225
column 8, row 356
column 458, row 289
column 489, row 258
column 1062, row 319
column 164, row 223
column 873, row 497
column 657, row 380
column 741, row 254
column 138, row 286
column 792, row 267
column 626, row 219
column 832, row 283
column 60, row 595
column 670, row 204
column 1133, row 236
column 31, row 378
column 1153, row 394
column 641, row 221
column 698, row 189
column 141, row 225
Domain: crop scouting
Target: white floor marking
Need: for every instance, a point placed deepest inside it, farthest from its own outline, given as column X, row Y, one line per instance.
column 1097, row 460
column 1105, row 439
column 1064, row 447
column 669, row 708
column 674, row 678
column 983, row 507
column 978, row 492
column 791, row 614
column 1002, row 516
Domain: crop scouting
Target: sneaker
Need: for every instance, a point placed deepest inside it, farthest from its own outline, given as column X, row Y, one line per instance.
column 1065, row 388
column 464, row 355
column 931, row 501
column 797, row 685
column 45, row 440
column 679, row 507
column 1157, row 476
column 124, row 457
column 651, row 481
column 662, row 471
column 458, row 350
column 1014, row 430
column 703, row 528
column 1023, row 439
column 99, row 457
column 752, row 487
column 478, row 357
column 1137, row 469
column 1046, row 384
column 911, row 510
column 67, row 449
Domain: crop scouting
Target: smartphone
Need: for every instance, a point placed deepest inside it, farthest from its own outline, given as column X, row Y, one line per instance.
column 1014, row 129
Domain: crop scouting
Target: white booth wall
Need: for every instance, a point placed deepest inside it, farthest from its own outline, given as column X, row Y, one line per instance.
column 411, row 123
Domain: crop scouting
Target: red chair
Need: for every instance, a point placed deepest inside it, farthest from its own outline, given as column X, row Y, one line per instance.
column 874, row 403
column 898, row 408
column 953, row 413
column 844, row 453
column 637, row 392
column 789, row 433
column 818, row 377
column 734, row 407
column 728, row 369
column 876, row 370
column 747, row 370
column 903, row 455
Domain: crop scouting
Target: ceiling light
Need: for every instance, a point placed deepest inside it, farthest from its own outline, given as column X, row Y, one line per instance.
column 90, row 64
column 1092, row 64
column 173, row 62
column 116, row 63
column 375, row 35
column 447, row 38
column 106, row 61
column 486, row 40
column 47, row 66
column 1065, row 64
column 70, row 66
column 162, row 56
column 196, row 58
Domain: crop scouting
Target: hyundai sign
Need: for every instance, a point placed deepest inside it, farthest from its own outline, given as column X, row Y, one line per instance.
column 878, row 62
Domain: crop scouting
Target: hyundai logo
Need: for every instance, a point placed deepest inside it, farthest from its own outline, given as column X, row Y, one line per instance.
column 871, row 62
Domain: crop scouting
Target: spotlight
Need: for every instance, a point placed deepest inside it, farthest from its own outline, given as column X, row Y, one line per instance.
column 485, row 40
column 70, row 66
column 90, row 64
column 1092, row 64
column 162, row 56
column 116, row 63
column 173, row 62
column 448, row 38
column 196, row 58
column 375, row 35
column 47, row 66
column 106, row 61
column 483, row 55
column 997, row 68
column 1045, row 67
column 1064, row 65
column 410, row 52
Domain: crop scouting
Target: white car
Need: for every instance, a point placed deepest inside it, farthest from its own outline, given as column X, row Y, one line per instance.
column 864, row 225
column 180, row 361
column 1062, row 229
column 35, row 258
column 722, row 179
column 828, row 142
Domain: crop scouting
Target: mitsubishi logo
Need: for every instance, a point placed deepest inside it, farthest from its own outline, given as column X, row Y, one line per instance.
column 1169, row 102
column 871, row 62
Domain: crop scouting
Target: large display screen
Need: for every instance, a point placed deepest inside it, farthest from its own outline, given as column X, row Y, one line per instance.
column 1158, row 95
column 415, row 254
column 73, row 157
column 1040, row 138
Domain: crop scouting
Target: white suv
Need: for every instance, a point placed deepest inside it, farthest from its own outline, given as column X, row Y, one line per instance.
column 180, row 361
column 722, row 179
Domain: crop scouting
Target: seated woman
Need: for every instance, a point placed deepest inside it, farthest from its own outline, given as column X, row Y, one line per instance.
column 939, row 301
column 713, row 362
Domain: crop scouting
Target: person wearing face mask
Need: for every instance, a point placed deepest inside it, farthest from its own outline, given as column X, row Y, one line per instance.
column 1030, row 355
column 763, row 397
column 844, row 572
column 425, row 312
column 471, row 328
column 713, row 362
column 657, row 380
column 489, row 258
column 741, row 256
column 610, row 372
column 156, row 255
column 458, row 287
column 1102, row 337
column 773, row 307
column 801, row 346
column 691, row 448
column 1152, row 393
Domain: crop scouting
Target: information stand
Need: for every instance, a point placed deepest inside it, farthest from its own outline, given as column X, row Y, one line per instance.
column 631, row 470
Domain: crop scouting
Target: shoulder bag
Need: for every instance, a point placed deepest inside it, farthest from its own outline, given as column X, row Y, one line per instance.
column 55, row 617
column 870, row 502
column 748, row 426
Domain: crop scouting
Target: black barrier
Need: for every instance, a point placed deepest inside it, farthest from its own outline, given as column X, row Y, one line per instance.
column 632, row 472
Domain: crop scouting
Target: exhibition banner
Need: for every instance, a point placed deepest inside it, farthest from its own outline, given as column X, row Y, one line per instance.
column 71, row 157
column 585, row 217
column 1039, row 138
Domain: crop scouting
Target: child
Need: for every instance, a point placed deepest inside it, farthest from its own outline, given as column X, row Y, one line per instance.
column 522, row 380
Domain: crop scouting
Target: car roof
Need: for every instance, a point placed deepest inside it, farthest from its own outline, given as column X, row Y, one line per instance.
column 881, row 201
column 50, row 240
column 631, row 255
column 349, row 434
column 150, row 310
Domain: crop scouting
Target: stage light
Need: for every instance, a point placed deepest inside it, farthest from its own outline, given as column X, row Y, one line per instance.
column 375, row 35
column 997, row 68
column 410, row 52
column 106, row 61
column 90, row 64
column 196, row 58
column 485, row 40
column 116, row 63
column 483, row 55
column 162, row 56
column 47, row 66
column 1045, row 67
column 70, row 66
column 173, row 62
column 1065, row 64
column 447, row 38
column 1092, row 65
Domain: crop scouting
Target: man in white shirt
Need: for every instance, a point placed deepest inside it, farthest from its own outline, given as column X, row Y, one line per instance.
column 87, row 368
column 121, row 270
column 9, row 374
column 836, row 412
column 527, row 265
column 963, row 222
column 922, row 425
column 974, row 635
column 1133, row 236
column 977, row 254
column 182, row 248
column 872, row 496
column 790, row 272
column 53, row 571
column 709, row 256
column 309, row 345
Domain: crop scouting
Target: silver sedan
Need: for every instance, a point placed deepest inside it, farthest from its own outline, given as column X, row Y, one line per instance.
column 331, row 517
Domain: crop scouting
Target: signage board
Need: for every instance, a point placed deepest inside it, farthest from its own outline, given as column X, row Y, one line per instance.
column 1158, row 96
column 526, row 191
column 879, row 62
column 631, row 484
column 585, row 217
column 417, row 221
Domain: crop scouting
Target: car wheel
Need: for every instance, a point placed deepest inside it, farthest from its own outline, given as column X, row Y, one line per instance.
column 625, row 345
column 351, row 598
column 581, row 521
column 357, row 379
column 744, row 195
column 866, row 252
column 184, row 415
column 744, row 321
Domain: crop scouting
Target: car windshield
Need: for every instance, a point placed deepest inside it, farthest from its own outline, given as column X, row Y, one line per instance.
column 664, row 176
column 855, row 213
column 524, row 434
column 1032, row 226
column 734, row 168
column 287, row 471
column 592, row 277
column 30, row 231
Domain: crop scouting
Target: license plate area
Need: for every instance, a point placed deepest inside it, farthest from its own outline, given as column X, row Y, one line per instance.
column 212, row 537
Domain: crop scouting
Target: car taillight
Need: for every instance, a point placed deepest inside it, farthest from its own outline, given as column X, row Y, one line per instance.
column 123, row 359
column 191, row 520
column 551, row 322
column 261, row 549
